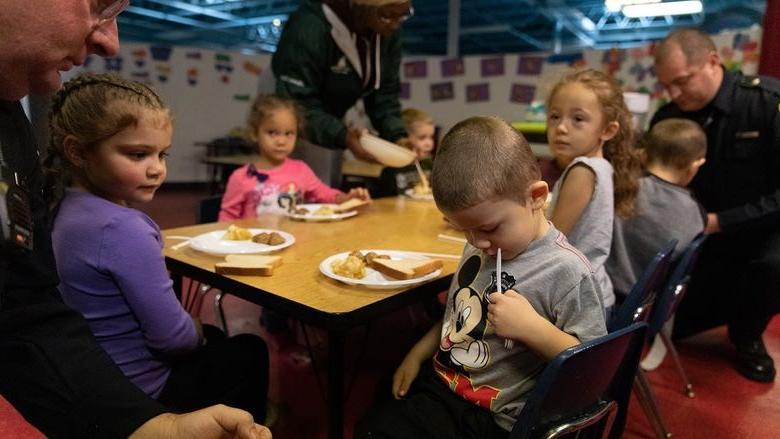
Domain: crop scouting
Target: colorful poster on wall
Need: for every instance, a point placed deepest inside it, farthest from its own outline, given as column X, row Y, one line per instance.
column 442, row 91
column 522, row 93
column 139, row 57
column 529, row 65
column 160, row 53
column 452, row 67
column 612, row 59
column 478, row 92
column 416, row 69
column 492, row 66
column 406, row 91
column 224, row 66
column 193, row 55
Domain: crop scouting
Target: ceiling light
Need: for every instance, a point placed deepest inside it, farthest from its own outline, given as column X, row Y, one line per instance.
column 662, row 9
column 617, row 5
column 277, row 22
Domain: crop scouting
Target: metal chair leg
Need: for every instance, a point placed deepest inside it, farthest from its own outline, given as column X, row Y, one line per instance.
column 646, row 398
column 219, row 312
column 670, row 347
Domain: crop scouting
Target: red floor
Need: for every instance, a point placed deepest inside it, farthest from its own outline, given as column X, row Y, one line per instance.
column 726, row 405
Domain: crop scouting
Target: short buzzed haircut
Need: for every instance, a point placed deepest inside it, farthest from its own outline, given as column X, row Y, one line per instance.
column 696, row 45
column 676, row 143
column 482, row 159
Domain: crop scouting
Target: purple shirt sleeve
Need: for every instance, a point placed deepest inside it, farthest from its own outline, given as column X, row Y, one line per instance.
column 131, row 251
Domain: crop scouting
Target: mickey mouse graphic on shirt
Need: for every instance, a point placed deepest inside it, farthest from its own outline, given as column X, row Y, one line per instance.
column 462, row 346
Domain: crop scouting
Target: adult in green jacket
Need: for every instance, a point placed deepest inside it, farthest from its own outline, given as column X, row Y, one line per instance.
column 334, row 52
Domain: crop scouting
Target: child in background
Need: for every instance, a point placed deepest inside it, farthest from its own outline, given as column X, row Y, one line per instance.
column 551, row 300
column 109, row 141
column 254, row 189
column 589, row 131
column 420, row 130
column 673, row 152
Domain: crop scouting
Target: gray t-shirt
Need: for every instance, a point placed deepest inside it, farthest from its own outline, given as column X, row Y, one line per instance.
column 592, row 235
column 558, row 282
column 664, row 211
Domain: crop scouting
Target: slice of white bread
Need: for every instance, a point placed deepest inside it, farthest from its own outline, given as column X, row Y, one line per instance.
column 350, row 204
column 248, row 265
column 406, row 268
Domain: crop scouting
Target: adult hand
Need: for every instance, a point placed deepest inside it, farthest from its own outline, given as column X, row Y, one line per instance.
column 215, row 422
column 353, row 144
column 405, row 375
column 713, row 224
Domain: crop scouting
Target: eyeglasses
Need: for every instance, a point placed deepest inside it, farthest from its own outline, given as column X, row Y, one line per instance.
column 396, row 19
column 110, row 11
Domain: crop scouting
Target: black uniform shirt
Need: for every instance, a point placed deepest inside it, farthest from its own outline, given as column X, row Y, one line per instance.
column 740, row 181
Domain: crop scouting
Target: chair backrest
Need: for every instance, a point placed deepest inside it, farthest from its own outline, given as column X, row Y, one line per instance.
column 585, row 388
column 676, row 285
column 640, row 299
column 208, row 209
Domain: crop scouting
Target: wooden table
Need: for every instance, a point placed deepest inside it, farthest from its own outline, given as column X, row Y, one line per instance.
column 298, row 289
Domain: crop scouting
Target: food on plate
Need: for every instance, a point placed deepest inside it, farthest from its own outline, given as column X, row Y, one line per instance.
column 324, row 211
column 266, row 238
column 352, row 266
column 301, row 211
column 405, row 268
column 422, row 188
column 370, row 256
column 350, row 204
column 235, row 233
column 248, row 265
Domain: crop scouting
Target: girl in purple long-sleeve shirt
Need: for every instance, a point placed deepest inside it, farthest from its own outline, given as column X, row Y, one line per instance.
column 111, row 137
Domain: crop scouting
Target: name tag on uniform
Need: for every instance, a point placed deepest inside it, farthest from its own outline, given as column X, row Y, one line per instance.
column 747, row 135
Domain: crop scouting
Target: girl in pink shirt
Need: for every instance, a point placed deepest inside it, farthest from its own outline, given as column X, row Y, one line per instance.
column 254, row 189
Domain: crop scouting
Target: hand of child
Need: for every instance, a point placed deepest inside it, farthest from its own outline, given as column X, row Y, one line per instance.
column 405, row 375
column 360, row 193
column 511, row 315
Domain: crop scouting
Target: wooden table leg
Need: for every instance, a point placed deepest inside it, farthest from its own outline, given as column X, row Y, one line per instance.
column 335, row 384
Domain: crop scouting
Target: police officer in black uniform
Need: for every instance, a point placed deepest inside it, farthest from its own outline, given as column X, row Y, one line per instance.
column 737, row 279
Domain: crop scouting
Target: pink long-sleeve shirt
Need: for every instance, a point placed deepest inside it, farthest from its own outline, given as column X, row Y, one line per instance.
column 247, row 197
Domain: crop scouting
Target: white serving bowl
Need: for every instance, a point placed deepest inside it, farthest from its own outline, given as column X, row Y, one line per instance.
column 387, row 153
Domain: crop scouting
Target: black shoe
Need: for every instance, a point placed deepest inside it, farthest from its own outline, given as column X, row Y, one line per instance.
column 753, row 362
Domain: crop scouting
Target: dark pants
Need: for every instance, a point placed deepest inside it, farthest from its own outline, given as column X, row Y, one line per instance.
column 430, row 410
column 231, row 371
column 737, row 282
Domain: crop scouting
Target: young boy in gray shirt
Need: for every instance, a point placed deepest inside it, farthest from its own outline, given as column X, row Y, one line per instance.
column 674, row 151
column 461, row 379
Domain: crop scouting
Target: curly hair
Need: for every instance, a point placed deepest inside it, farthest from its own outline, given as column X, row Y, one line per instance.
column 619, row 150
column 92, row 108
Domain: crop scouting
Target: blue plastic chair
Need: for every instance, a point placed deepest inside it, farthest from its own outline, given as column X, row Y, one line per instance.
column 585, row 389
column 670, row 299
column 638, row 307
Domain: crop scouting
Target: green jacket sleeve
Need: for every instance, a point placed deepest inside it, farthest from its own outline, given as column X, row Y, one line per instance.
column 300, row 64
column 383, row 106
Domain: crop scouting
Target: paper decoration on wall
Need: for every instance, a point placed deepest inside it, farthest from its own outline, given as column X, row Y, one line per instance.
column 522, row 93
column 406, row 91
column 416, row 69
column 113, row 64
column 241, row 97
column 252, row 68
column 478, row 92
column 193, row 55
column 160, row 53
column 529, row 65
column 572, row 59
column 739, row 40
column 139, row 57
column 638, row 53
column 452, row 67
column 163, row 71
column 192, row 76
column 612, row 60
column 442, row 91
column 142, row 76
column 492, row 66
column 224, row 66
column 750, row 52
column 639, row 71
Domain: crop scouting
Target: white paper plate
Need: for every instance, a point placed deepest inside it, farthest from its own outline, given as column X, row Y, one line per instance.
column 411, row 194
column 313, row 207
column 373, row 278
column 213, row 243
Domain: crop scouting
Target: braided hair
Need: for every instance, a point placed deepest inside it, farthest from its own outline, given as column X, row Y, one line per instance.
column 619, row 150
column 92, row 108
